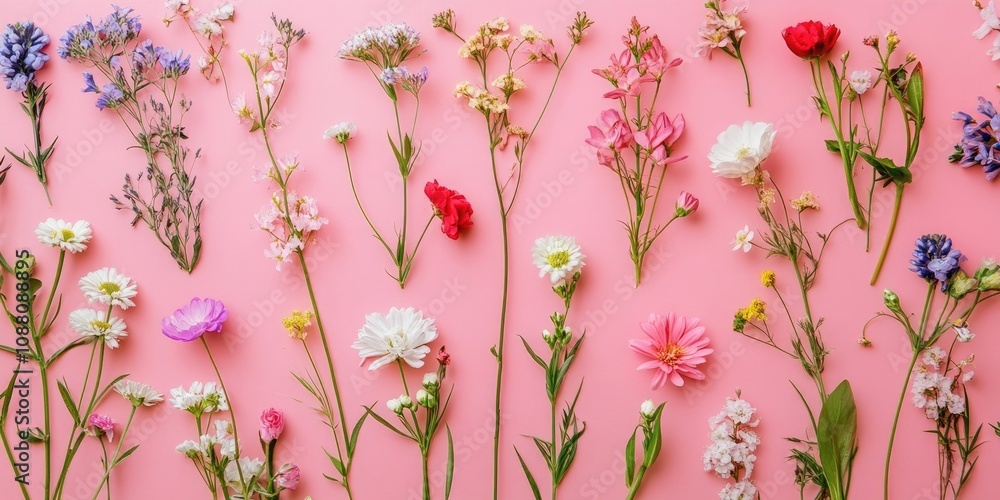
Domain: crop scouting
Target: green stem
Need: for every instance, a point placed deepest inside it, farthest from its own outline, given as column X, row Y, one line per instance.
column 888, row 235
column 426, row 482
column 498, row 351
column 746, row 75
column 329, row 363
column 554, row 456
column 364, row 214
column 118, row 448
column 634, row 490
column 895, row 422
column 232, row 410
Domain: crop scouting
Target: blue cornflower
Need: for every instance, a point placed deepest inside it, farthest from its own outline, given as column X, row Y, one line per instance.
column 88, row 80
column 174, row 64
column 934, row 259
column 979, row 145
column 110, row 97
column 21, row 54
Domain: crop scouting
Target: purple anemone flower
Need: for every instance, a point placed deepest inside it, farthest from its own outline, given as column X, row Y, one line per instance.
column 193, row 320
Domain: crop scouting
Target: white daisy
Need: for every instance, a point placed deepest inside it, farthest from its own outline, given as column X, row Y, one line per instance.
column 187, row 400
column 138, row 393
column 341, row 131
column 109, row 287
column 557, row 256
column 72, row 238
column 250, row 468
column 741, row 149
column 401, row 334
column 92, row 323
column 743, row 239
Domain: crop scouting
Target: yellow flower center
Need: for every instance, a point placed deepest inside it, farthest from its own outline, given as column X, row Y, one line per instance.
column 670, row 354
column 109, row 288
column 742, row 153
column 100, row 325
column 558, row 259
column 67, row 234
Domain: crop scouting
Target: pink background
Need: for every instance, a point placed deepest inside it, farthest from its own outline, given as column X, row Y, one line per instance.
column 691, row 270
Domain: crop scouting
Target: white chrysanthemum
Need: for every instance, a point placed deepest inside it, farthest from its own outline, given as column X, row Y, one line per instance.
column 109, row 287
column 91, row 323
column 341, row 131
column 557, row 256
column 60, row 234
column 199, row 398
column 138, row 393
column 187, row 400
column 741, row 149
column 250, row 468
column 401, row 334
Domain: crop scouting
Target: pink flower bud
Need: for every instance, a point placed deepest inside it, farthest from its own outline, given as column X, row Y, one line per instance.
column 686, row 204
column 443, row 357
column 287, row 477
column 272, row 422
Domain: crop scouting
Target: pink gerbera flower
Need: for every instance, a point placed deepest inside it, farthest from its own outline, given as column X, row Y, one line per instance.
column 675, row 345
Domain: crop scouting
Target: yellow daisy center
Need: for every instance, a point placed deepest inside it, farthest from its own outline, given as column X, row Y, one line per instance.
column 670, row 354
column 67, row 234
column 742, row 153
column 109, row 288
column 100, row 325
column 558, row 259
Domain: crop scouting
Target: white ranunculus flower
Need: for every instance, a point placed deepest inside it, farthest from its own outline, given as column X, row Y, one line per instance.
column 557, row 256
column 60, row 234
column 401, row 334
column 741, row 149
column 109, row 287
column 92, row 323
column 861, row 81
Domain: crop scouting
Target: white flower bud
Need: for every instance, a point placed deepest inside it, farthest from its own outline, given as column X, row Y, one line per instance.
column 647, row 409
column 395, row 406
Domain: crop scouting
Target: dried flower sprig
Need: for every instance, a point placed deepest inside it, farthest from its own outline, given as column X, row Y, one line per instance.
column 134, row 70
column 209, row 30
column 723, row 30
column 21, row 58
column 514, row 53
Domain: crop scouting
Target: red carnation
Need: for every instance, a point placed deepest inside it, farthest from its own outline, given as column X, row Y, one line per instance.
column 454, row 210
column 811, row 39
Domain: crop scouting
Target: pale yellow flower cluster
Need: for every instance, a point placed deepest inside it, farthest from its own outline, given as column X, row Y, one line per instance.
column 806, row 201
column 530, row 34
column 508, row 83
column 481, row 99
column 488, row 36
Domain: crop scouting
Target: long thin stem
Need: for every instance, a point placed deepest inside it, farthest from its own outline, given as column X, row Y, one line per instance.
column 232, row 410
column 118, row 448
column 554, row 455
column 895, row 422
column 636, row 483
column 888, row 235
column 498, row 350
column 746, row 75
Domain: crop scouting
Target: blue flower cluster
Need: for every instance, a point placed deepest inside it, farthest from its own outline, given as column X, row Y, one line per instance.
column 115, row 30
column 934, row 259
column 21, row 54
column 979, row 144
column 400, row 75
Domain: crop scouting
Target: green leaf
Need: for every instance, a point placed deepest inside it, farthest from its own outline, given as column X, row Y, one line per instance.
column 915, row 93
column 531, row 479
column 545, row 448
column 68, row 401
column 386, row 423
column 836, row 438
column 652, row 449
column 888, row 170
column 125, row 455
column 541, row 362
column 337, row 463
column 353, row 443
column 449, row 472
column 630, row 459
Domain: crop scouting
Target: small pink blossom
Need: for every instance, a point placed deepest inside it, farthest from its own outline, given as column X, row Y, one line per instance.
column 612, row 134
column 654, row 59
column 630, row 85
column 675, row 345
column 101, row 425
column 287, row 477
column 619, row 67
column 272, row 423
column 540, row 51
column 686, row 204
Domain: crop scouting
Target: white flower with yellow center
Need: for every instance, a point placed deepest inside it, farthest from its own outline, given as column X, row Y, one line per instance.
column 401, row 334
column 557, row 256
column 92, row 323
column 137, row 393
column 743, row 240
column 741, row 149
column 60, row 234
column 109, row 287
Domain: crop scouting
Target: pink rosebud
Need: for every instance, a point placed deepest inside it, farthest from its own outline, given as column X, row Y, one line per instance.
column 287, row 477
column 100, row 425
column 686, row 204
column 272, row 422
column 443, row 357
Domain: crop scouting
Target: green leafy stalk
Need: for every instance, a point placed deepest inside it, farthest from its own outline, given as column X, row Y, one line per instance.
column 35, row 97
column 652, row 443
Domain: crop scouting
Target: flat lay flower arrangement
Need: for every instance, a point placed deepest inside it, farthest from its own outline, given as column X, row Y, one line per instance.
column 209, row 250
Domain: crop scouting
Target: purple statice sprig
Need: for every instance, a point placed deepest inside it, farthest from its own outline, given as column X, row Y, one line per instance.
column 401, row 75
column 935, row 259
column 979, row 145
column 21, row 57
column 139, row 81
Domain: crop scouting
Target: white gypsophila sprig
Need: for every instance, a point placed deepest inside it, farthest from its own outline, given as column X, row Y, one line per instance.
column 109, row 287
column 733, row 443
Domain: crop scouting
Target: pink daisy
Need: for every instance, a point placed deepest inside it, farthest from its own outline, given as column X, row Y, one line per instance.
column 675, row 345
